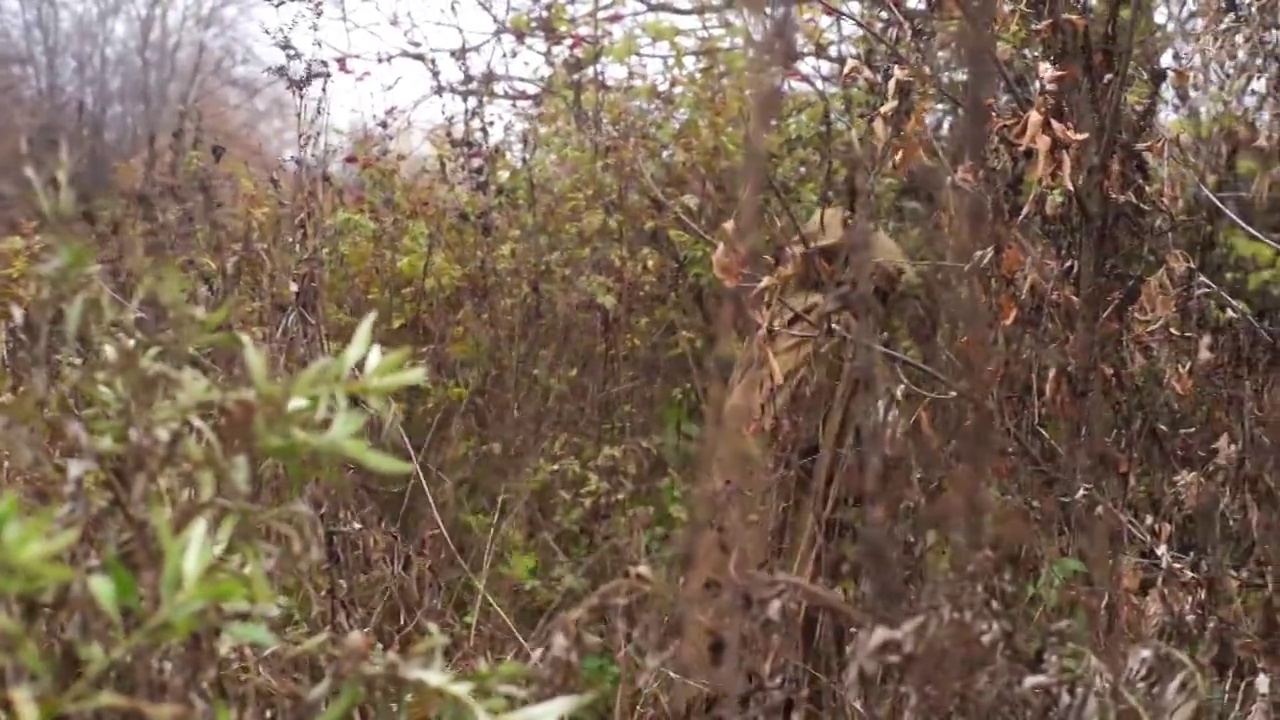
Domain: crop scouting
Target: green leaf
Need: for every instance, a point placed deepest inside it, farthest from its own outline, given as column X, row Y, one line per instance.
column 170, row 574
column 222, row 538
column 346, row 423
column 359, row 345
column 103, row 589
column 552, row 709
column 250, row 633
column 240, row 473
column 91, row 652
column 33, row 658
column 123, row 581
column 23, row 703
column 342, row 706
column 660, row 31
column 213, row 319
column 60, row 542
column 71, row 321
column 306, row 382
column 1066, row 567
column 218, row 591
column 29, row 556
column 255, row 362
column 393, row 381
column 8, row 509
column 373, row 459
column 392, row 360
column 624, row 49
column 522, row 566
column 198, row 552
column 372, row 360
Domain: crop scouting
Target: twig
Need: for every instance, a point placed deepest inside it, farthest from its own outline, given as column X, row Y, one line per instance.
column 488, row 559
column 657, row 194
column 444, row 532
column 1235, row 305
column 1236, row 219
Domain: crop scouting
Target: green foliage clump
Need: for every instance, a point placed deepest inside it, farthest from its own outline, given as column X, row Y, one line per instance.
column 157, row 537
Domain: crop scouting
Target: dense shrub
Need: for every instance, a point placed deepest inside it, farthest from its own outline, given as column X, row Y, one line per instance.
column 443, row 436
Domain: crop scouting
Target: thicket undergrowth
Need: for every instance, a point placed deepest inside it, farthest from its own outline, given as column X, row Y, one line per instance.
column 393, row 439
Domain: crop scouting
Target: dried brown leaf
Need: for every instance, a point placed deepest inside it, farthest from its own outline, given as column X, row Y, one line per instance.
column 1012, row 260
column 1181, row 381
column 1079, row 21
column 1204, row 349
column 880, row 129
column 1049, row 73
column 1066, row 171
column 1065, row 133
column 1052, row 383
column 1043, row 145
column 1008, row 310
column 852, row 69
column 1226, row 451
column 1034, row 128
column 825, row 227
column 727, row 264
column 966, row 176
column 926, row 428
column 1155, row 147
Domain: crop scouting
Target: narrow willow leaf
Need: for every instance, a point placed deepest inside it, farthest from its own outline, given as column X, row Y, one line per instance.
column 197, row 553
column 397, row 380
column 250, row 633
column 255, row 363
column 342, row 706
column 359, row 345
column 373, row 459
column 552, row 709
column 103, row 589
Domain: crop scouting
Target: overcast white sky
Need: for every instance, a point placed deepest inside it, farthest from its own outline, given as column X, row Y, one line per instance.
column 366, row 28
